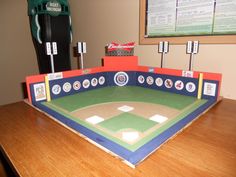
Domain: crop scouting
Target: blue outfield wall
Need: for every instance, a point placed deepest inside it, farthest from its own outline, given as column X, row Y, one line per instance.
column 174, row 84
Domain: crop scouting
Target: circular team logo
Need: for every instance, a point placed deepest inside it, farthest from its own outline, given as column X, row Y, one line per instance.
column 121, row 78
column 56, row 89
column 179, row 85
column 66, row 87
column 190, row 87
column 101, row 80
column 159, row 82
column 86, row 83
column 168, row 83
column 76, row 85
column 94, row 82
column 141, row 79
column 149, row 80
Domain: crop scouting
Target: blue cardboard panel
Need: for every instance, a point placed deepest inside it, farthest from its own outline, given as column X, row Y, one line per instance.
column 175, row 84
column 121, row 78
column 76, row 84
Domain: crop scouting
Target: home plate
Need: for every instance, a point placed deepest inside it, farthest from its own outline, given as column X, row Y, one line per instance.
column 130, row 136
column 158, row 118
column 94, row 120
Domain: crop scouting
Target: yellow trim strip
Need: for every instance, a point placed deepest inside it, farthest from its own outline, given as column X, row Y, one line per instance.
column 47, row 88
column 200, row 82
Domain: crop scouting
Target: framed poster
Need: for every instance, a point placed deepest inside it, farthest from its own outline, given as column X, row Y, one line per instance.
column 178, row 21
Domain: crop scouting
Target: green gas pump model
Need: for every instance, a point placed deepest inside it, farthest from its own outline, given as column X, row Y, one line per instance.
column 50, row 21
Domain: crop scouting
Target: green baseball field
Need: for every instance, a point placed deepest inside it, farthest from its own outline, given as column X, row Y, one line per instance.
column 129, row 116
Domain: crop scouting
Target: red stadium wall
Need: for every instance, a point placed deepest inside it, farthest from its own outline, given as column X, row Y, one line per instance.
column 122, row 63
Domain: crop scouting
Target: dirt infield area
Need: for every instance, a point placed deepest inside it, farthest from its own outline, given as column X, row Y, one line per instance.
column 109, row 110
column 141, row 109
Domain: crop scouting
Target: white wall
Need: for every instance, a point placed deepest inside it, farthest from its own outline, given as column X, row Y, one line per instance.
column 97, row 22
column 17, row 54
column 101, row 22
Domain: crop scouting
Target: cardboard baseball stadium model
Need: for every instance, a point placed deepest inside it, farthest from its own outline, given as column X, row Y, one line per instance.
column 126, row 109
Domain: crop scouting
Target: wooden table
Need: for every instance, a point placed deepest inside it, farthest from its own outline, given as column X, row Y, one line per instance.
column 38, row 146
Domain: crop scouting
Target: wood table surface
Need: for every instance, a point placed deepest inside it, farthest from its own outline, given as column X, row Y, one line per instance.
column 37, row 146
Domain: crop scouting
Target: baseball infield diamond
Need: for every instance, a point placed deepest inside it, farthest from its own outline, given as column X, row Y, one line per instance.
column 129, row 116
